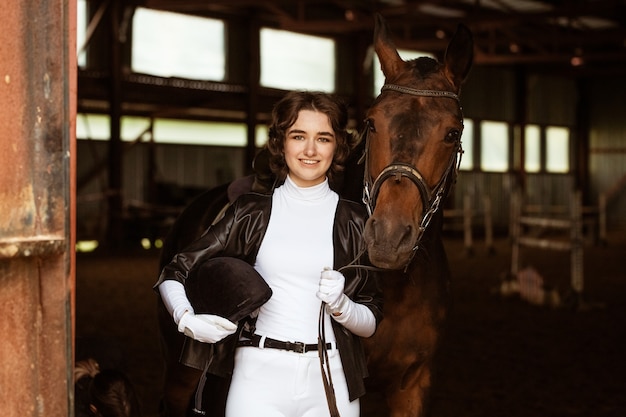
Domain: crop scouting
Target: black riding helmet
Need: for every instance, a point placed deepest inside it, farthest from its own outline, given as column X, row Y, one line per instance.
column 227, row 287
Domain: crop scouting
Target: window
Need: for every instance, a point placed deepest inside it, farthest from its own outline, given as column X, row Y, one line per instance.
column 494, row 139
column 261, row 134
column 98, row 127
column 176, row 45
column 182, row 132
column 557, row 149
column 81, row 31
column 291, row 61
column 199, row 133
column 467, row 141
column 379, row 77
column 93, row 126
column 532, row 148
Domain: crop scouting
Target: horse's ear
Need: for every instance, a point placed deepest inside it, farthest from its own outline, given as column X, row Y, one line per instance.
column 390, row 61
column 459, row 56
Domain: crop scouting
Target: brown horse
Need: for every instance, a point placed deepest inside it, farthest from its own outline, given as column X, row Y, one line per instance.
column 412, row 145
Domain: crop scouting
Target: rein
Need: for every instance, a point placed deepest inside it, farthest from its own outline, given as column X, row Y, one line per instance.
column 321, row 341
column 432, row 198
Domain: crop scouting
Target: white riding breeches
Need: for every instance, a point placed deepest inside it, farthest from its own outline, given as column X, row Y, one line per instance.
column 279, row 383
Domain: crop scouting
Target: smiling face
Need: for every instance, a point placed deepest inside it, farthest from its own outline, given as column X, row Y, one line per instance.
column 310, row 145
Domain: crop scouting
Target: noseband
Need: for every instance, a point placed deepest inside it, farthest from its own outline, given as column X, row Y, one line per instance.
column 431, row 197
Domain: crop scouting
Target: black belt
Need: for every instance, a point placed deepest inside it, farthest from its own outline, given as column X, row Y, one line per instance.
column 269, row 343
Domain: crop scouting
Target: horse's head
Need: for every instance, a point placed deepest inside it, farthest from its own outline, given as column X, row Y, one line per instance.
column 413, row 144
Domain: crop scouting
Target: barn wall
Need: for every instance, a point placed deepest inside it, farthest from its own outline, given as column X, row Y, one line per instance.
column 478, row 185
column 199, row 166
column 607, row 150
column 91, row 202
column 491, row 94
column 551, row 100
column 181, row 172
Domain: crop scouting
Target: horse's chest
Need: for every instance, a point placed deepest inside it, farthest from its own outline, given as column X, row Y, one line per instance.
column 413, row 312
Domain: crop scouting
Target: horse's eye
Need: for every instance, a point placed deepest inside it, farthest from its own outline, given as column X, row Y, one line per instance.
column 454, row 135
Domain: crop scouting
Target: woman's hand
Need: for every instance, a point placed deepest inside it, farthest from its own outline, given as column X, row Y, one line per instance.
column 355, row 317
column 206, row 328
column 331, row 290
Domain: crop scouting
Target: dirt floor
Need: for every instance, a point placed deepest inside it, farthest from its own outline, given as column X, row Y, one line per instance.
column 502, row 357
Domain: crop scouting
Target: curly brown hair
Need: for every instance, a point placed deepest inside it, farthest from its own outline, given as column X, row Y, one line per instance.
column 285, row 114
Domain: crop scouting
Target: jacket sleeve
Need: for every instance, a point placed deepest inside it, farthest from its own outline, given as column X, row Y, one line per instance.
column 367, row 290
column 236, row 235
column 363, row 285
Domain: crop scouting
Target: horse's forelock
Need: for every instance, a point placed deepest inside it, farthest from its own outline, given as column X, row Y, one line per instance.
column 424, row 65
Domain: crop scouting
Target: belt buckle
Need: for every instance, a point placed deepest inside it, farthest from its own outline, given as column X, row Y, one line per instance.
column 297, row 347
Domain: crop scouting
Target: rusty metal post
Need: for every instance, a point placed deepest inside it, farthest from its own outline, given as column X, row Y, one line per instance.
column 37, row 148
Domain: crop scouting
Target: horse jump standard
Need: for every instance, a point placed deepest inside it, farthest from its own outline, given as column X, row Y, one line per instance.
column 573, row 223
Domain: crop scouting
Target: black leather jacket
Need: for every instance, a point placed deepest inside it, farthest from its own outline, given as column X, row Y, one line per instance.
column 239, row 234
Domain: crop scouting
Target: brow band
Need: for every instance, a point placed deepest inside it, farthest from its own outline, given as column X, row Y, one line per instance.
column 416, row 92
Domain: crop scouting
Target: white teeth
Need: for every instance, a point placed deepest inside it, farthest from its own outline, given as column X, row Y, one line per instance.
column 308, row 161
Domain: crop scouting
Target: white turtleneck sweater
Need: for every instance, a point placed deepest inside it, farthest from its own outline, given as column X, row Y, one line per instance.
column 297, row 246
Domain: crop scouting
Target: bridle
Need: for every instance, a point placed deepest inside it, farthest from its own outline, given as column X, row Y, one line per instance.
column 432, row 198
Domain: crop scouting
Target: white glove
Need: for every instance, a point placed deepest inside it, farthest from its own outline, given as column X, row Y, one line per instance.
column 202, row 327
column 206, row 328
column 355, row 317
column 331, row 290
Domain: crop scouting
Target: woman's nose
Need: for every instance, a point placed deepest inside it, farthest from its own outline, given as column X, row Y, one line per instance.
column 309, row 148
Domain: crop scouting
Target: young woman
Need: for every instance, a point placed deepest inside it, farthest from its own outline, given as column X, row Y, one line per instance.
column 296, row 237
